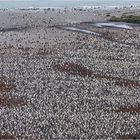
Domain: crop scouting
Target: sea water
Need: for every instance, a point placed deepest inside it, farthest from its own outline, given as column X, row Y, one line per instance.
column 67, row 3
column 113, row 24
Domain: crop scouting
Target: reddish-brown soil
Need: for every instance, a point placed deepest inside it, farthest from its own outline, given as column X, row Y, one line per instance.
column 74, row 69
column 7, row 84
column 11, row 102
column 7, row 137
column 6, row 87
column 129, row 137
column 127, row 83
column 80, row 70
column 26, row 50
column 126, row 109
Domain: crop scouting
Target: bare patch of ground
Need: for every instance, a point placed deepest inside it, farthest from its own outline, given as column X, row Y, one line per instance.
column 126, row 109
column 130, row 136
column 25, row 51
column 82, row 71
column 11, row 102
column 74, row 69
column 7, row 84
column 7, row 136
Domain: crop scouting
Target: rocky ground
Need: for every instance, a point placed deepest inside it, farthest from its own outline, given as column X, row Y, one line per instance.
column 60, row 84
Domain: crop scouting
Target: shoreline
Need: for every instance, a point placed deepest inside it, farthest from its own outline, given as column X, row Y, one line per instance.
column 133, row 7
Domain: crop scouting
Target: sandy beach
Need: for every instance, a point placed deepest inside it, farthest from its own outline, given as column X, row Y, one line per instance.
column 69, row 74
